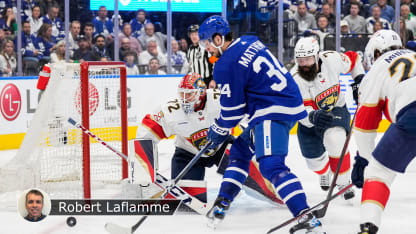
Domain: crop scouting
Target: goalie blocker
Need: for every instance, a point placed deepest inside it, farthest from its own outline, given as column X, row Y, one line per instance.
column 143, row 171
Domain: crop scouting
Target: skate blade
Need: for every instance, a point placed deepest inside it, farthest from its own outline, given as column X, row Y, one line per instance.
column 213, row 223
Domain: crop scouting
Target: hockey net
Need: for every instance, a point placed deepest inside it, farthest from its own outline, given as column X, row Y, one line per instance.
column 58, row 157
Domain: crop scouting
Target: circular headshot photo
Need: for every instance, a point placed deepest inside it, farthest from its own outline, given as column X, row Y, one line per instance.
column 34, row 205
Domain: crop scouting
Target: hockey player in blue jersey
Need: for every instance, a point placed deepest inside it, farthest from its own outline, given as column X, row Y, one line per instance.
column 254, row 85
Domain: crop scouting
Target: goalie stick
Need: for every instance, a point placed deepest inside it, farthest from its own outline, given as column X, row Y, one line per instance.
column 169, row 187
column 312, row 209
column 321, row 212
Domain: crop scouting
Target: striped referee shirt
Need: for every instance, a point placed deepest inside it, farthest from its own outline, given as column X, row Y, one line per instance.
column 198, row 61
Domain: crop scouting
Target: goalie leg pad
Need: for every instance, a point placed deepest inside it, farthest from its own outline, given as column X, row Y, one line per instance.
column 180, row 159
column 142, row 161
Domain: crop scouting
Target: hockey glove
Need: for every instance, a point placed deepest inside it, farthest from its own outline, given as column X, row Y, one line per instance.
column 217, row 135
column 357, row 174
column 355, row 86
column 321, row 119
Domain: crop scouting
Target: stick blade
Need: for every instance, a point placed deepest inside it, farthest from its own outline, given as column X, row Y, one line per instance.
column 117, row 229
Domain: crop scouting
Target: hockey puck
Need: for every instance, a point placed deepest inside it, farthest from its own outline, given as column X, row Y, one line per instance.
column 71, row 221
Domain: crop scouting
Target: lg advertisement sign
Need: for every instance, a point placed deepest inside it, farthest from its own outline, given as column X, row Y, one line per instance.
column 160, row 5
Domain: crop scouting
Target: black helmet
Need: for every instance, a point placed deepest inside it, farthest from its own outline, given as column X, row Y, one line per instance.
column 193, row 28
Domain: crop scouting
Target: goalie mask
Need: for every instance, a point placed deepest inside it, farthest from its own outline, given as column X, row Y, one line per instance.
column 306, row 56
column 191, row 92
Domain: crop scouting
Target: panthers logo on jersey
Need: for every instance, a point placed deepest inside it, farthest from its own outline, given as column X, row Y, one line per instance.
column 328, row 98
column 199, row 140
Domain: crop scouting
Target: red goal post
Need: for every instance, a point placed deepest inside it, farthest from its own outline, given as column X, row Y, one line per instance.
column 59, row 158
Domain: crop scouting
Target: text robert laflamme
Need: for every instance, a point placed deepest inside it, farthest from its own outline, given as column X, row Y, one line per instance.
column 114, row 207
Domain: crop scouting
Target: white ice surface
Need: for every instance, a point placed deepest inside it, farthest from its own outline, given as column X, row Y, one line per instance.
column 247, row 215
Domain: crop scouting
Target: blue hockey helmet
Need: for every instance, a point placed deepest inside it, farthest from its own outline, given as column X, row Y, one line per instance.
column 212, row 25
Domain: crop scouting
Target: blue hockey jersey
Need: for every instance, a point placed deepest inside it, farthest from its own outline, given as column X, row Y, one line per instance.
column 253, row 82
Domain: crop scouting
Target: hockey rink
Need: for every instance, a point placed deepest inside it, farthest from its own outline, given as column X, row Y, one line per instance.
column 247, row 214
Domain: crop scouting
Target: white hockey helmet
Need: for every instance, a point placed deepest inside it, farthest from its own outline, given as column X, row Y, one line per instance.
column 306, row 47
column 383, row 41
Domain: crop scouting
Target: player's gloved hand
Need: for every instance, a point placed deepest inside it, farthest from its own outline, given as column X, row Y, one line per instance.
column 321, row 119
column 217, row 135
column 357, row 174
column 355, row 86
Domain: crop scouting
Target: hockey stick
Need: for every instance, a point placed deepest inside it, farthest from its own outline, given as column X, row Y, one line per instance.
column 176, row 191
column 312, row 209
column 116, row 229
column 321, row 212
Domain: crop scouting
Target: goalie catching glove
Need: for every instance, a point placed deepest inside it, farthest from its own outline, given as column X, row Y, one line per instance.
column 217, row 135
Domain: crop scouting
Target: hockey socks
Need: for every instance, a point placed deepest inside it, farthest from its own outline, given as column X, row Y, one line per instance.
column 290, row 190
column 373, row 201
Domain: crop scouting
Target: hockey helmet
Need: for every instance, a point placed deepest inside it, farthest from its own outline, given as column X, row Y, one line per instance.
column 213, row 25
column 381, row 41
column 193, row 28
column 191, row 92
column 307, row 47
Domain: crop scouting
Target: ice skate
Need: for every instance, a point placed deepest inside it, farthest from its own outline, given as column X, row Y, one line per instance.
column 307, row 224
column 368, row 228
column 349, row 194
column 325, row 180
column 217, row 213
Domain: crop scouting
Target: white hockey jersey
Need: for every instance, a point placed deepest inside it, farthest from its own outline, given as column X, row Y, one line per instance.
column 324, row 91
column 190, row 130
column 388, row 87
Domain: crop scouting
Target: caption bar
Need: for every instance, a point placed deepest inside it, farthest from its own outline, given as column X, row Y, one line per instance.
column 114, row 207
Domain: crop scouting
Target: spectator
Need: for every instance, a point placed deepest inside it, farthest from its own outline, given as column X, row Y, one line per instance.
column 8, row 20
column 134, row 43
column 386, row 11
column 46, row 41
column 179, row 62
column 346, row 8
column 53, row 19
column 410, row 18
column 314, row 6
column 2, row 37
column 59, row 55
column 8, row 59
column 411, row 5
column 125, row 49
column 154, row 67
column 327, row 11
column 88, row 32
column 102, row 23
column 27, row 6
column 131, row 68
column 377, row 26
column 35, row 20
column 30, row 49
column 198, row 57
column 152, row 52
column 376, row 16
column 84, row 52
column 137, row 24
column 356, row 22
column 74, row 31
column 45, row 4
column 345, row 30
column 322, row 31
column 405, row 34
column 150, row 34
column 304, row 19
column 99, row 50
column 183, row 45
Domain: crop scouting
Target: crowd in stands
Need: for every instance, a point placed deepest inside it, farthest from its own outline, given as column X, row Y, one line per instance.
column 143, row 46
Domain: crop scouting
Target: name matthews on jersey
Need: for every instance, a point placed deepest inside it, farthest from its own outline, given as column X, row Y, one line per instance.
column 250, row 52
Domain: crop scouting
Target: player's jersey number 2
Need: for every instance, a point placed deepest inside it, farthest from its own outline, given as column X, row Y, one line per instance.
column 407, row 71
column 272, row 71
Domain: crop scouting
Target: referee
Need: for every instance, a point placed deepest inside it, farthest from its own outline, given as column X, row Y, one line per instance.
column 198, row 57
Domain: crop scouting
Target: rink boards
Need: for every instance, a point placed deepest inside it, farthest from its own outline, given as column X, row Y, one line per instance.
column 19, row 99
